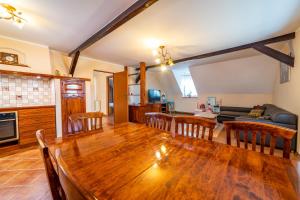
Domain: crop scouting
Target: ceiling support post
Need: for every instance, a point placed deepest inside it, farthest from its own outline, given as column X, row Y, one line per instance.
column 143, row 97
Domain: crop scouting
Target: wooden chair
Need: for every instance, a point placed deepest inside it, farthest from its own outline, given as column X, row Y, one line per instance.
column 72, row 190
column 254, row 128
column 159, row 120
column 53, row 180
column 194, row 124
column 85, row 122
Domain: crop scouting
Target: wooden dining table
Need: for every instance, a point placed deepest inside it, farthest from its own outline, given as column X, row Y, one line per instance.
column 133, row 161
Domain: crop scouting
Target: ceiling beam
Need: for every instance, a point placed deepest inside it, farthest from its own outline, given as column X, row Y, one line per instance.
column 103, row 71
column 281, row 38
column 138, row 7
column 74, row 63
column 289, row 60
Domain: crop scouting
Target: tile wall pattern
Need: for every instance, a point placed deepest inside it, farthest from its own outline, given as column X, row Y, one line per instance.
column 20, row 91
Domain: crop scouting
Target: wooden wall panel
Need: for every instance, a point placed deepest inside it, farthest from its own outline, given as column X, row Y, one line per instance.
column 137, row 112
column 121, row 96
column 73, row 100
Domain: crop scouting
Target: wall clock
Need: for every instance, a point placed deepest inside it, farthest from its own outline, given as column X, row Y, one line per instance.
column 8, row 58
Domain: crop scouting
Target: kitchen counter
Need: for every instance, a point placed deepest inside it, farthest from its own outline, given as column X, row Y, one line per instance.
column 25, row 107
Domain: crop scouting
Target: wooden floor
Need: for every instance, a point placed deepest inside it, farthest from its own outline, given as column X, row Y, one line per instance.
column 22, row 174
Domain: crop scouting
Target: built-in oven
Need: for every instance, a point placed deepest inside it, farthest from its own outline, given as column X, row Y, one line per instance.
column 9, row 126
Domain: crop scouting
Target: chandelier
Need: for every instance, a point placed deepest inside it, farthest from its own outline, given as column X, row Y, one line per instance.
column 9, row 12
column 163, row 57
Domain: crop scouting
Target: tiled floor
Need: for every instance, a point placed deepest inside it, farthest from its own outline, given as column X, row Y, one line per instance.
column 22, row 176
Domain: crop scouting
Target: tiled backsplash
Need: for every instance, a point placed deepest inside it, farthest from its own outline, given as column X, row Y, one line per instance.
column 20, row 91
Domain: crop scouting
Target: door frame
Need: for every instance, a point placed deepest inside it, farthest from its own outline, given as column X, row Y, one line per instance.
column 107, row 92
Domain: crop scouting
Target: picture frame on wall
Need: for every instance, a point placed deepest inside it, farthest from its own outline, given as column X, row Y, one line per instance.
column 284, row 73
column 8, row 58
column 211, row 101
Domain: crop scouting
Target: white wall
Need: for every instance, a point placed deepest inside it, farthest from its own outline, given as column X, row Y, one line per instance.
column 42, row 60
column 155, row 79
column 100, row 87
column 287, row 95
column 238, row 100
column 34, row 55
column 85, row 69
column 85, row 66
column 58, row 118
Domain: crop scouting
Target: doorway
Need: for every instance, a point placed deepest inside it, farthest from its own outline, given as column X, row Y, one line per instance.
column 110, row 99
column 111, row 91
column 103, row 84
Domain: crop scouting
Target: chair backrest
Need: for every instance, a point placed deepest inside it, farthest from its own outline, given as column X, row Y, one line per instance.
column 53, row 180
column 254, row 128
column 159, row 120
column 191, row 126
column 73, row 190
column 85, row 122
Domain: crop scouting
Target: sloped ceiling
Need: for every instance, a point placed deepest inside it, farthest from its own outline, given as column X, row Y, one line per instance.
column 255, row 74
column 245, row 75
column 186, row 27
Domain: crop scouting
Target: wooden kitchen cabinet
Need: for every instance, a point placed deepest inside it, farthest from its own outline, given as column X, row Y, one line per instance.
column 137, row 112
column 32, row 119
column 73, row 100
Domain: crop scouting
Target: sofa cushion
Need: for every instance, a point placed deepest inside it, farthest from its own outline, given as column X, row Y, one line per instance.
column 280, row 115
column 256, row 113
column 235, row 109
column 284, row 118
column 233, row 113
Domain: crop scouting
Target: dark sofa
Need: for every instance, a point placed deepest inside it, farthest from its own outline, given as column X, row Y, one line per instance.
column 272, row 115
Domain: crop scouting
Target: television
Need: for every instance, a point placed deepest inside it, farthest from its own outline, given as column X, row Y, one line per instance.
column 153, row 95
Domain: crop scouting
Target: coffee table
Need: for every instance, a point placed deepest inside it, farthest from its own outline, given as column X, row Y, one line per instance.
column 209, row 115
column 205, row 114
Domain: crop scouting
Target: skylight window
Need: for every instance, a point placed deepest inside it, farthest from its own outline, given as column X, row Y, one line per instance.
column 185, row 82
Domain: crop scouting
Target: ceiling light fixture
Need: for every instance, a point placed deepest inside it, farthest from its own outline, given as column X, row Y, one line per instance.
column 155, row 52
column 164, row 58
column 9, row 12
column 157, row 61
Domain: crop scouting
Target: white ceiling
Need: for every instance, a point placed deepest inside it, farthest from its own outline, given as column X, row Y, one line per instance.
column 62, row 24
column 186, row 27
column 192, row 27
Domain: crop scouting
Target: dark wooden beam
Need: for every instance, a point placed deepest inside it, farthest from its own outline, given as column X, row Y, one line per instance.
column 281, row 38
column 138, row 78
column 289, row 60
column 74, row 63
column 138, row 7
column 102, row 71
column 134, row 74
